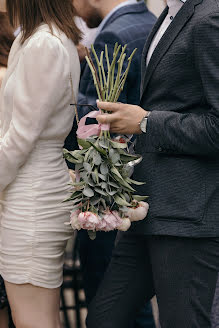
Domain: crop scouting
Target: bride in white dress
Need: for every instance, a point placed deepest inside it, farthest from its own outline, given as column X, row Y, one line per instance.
column 36, row 117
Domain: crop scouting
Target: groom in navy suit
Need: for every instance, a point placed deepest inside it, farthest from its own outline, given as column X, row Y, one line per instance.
column 126, row 22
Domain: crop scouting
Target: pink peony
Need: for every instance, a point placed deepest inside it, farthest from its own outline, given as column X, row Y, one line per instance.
column 109, row 222
column 74, row 220
column 125, row 225
column 139, row 212
column 88, row 220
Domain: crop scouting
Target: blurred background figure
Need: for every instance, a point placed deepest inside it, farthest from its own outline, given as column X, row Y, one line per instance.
column 88, row 37
column 88, row 34
column 6, row 40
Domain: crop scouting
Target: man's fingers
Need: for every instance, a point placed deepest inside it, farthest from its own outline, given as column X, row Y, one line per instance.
column 106, row 118
column 109, row 106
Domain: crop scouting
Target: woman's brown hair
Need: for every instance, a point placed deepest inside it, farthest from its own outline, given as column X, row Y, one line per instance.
column 6, row 39
column 31, row 13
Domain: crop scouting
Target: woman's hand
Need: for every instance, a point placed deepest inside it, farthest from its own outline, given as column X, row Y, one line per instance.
column 123, row 119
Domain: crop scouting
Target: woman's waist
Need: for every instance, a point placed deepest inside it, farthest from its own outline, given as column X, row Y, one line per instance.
column 46, row 156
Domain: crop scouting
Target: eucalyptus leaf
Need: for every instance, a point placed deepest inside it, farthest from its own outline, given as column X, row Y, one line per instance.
column 120, row 201
column 78, row 167
column 88, row 192
column 91, row 182
column 103, row 143
column 127, row 197
column 92, row 234
column 104, row 169
column 103, row 203
column 100, row 150
column 87, row 167
column 76, row 194
column 102, row 177
column 77, row 200
column 97, row 158
column 83, row 143
column 113, row 184
column 116, row 172
column 124, row 183
column 137, row 183
column 114, row 156
column 96, row 175
column 112, row 193
column 104, row 185
column 127, row 157
column 100, row 191
column 94, row 200
column 140, row 198
column 78, row 154
column 72, row 159
column 118, row 145
column 84, row 176
column 77, row 184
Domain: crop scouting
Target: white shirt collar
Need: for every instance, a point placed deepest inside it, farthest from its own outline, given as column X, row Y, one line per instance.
column 174, row 6
column 171, row 3
column 123, row 4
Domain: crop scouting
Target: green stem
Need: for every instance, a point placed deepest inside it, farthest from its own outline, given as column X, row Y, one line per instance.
column 94, row 78
column 99, row 70
column 113, row 68
column 116, row 85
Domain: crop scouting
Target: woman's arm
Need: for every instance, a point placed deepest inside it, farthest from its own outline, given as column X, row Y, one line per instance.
column 42, row 76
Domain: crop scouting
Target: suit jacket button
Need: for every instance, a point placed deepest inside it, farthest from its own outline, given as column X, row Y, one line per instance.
column 160, row 149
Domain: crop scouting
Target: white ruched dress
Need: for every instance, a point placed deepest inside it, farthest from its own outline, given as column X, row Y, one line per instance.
column 36, row 117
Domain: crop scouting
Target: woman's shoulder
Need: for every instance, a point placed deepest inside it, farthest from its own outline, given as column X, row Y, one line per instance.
column 46, row 37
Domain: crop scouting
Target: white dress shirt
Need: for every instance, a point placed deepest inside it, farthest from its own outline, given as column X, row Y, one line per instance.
column 174, row 7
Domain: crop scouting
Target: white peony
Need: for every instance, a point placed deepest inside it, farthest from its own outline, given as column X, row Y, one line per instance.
column 125, row 225
column 139, row 212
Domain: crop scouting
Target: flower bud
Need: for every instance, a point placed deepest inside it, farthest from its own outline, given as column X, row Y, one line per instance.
column 139, row 212
column 125, row 225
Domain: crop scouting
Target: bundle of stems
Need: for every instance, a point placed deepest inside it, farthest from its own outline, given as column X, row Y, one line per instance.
column 109, row 86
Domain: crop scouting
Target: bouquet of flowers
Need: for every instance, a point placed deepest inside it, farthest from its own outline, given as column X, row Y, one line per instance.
column 102, row 195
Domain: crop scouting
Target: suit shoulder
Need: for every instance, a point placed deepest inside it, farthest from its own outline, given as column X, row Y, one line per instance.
column 206, row 9
column 128, row 26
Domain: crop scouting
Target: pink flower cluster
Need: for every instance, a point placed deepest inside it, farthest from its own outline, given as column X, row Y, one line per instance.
column 92, row 221
column 109, row 221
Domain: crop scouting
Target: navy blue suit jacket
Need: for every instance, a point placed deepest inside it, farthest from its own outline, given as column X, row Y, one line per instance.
column 129, row 25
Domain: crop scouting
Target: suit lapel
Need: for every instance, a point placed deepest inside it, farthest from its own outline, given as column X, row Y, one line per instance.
column 169, row 36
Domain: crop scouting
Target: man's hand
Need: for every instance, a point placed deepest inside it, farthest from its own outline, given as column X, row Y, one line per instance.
column 81, row 52
column 123, row 119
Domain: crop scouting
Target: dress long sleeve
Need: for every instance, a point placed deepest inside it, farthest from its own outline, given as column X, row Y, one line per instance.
column 42, row 76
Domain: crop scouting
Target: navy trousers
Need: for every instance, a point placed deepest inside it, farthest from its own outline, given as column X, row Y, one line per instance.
column 95, row 256
column 182, row 272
